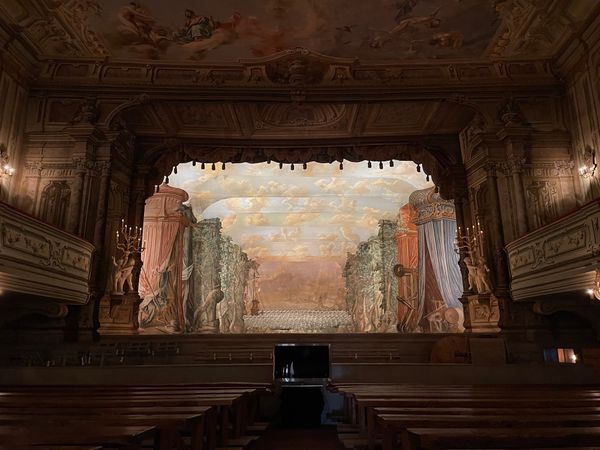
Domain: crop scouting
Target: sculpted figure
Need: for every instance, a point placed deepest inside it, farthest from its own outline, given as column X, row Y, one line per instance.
column 478, row 275
column 123, row 273
column 482, row 276
column 206, row 314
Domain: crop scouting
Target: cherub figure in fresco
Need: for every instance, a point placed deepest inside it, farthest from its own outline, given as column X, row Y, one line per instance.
column 452, row 39
column 202, row 33
column 410, row 23
column 196, row 27
column 138, row 28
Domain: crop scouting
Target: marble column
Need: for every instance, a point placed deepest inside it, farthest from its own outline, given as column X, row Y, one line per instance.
column 76, row 196
column 497, row 232
column 104, row 168
column 516, row 169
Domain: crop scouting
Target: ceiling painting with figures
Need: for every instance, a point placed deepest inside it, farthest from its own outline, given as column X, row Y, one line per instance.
column 233, row 30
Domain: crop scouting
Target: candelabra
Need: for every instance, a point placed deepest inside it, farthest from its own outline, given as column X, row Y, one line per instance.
column 129, row 243
column 472, row 245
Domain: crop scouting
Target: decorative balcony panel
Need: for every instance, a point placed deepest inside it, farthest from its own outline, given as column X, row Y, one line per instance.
column 559, row 258
column 41, row 260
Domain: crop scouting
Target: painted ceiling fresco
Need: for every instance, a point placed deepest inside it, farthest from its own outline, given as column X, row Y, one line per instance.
column 299, row 225
column 227, row 31
column 230, row 29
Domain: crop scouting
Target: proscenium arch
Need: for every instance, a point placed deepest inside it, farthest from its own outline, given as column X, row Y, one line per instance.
column 432, row 142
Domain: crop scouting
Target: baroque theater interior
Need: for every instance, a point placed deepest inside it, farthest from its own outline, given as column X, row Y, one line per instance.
column 187, row 194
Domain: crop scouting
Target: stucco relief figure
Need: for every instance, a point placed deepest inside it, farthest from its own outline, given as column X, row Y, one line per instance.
column 205, row 317
column 123, row 273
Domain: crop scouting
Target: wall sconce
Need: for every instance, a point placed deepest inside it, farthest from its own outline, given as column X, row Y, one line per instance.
column 6, row 170
column 589, row 163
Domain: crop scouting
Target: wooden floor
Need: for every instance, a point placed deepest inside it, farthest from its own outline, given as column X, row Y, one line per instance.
column 323, row 438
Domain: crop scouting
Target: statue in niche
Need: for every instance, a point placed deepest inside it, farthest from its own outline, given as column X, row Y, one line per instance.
column 205, row 316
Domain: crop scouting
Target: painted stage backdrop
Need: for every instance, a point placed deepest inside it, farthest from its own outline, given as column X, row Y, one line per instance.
column 256, row 248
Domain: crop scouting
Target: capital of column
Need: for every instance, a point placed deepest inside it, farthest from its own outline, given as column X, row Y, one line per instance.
column 564, row 168
column 103, row 168
column 491, row 168
column 80, row 165
column 516, row 164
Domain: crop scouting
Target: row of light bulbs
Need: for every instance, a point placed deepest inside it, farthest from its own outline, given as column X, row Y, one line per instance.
column 292, row 166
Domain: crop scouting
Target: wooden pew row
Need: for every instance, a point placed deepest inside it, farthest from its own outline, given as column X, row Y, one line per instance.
column 504, row 438
column 250, row 404
column 435, row 392
column 95, row 434
column 395, row 425
column 148, row 405
column 438, row 407
column 234, row 404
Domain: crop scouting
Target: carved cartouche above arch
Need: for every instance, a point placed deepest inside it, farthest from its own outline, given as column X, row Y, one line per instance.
column 301, row 115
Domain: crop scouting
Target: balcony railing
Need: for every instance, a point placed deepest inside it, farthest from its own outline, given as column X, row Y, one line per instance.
column 41, row 260
column 559, row 259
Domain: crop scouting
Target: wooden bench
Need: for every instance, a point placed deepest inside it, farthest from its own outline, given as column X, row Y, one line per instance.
column 505, row 438
column 391, row 410
column 27, row 413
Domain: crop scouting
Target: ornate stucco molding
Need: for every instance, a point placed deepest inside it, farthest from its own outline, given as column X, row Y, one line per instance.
column 41, row 260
